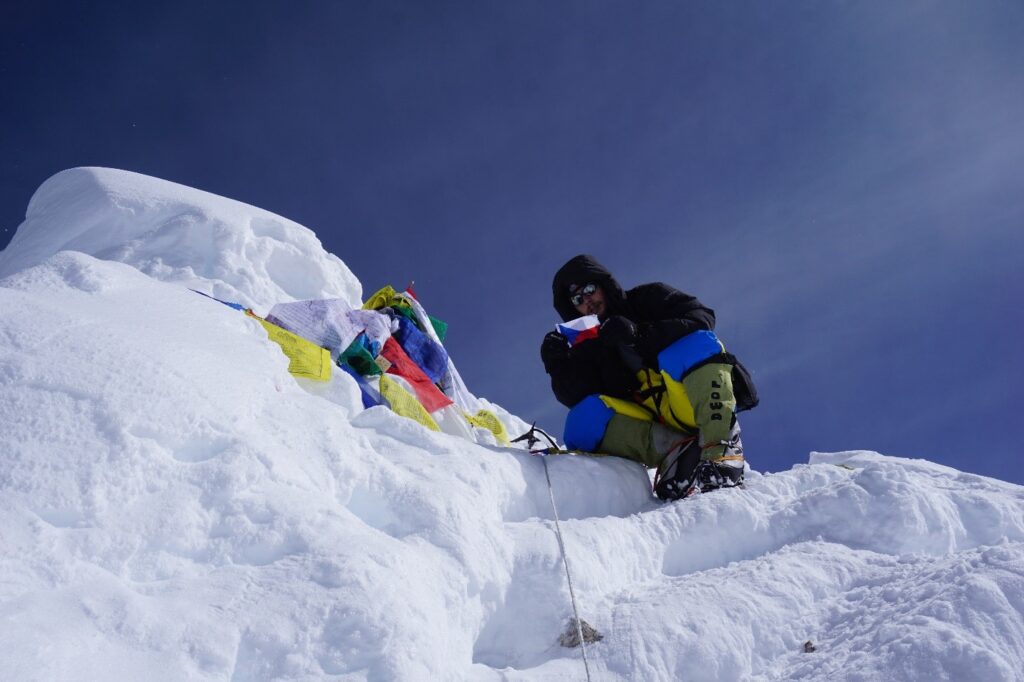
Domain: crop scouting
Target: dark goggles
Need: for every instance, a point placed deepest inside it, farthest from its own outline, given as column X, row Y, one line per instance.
column 585, row 291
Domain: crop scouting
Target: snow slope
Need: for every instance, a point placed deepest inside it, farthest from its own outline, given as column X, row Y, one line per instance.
column 178, row 234
column 175, row 505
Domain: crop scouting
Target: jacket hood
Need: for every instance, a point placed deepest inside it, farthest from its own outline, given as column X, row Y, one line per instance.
column 581, row 270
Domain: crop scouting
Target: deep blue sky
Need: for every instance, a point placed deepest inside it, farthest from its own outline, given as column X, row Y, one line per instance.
column 843, row 182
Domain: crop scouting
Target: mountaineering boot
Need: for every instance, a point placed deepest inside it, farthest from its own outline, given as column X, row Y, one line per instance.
column 675, row 478
column 722, row 463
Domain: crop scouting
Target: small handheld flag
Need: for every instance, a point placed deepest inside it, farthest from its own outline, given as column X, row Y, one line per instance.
column 579, row 330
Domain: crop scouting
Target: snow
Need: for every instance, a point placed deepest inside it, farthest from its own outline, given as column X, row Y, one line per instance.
column 175, row 505
column 178, row 234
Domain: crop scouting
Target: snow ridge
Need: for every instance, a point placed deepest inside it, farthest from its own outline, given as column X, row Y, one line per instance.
column 175, row 505
column 178, row 234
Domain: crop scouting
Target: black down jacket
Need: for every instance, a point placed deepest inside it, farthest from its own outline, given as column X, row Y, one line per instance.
column 661, row 314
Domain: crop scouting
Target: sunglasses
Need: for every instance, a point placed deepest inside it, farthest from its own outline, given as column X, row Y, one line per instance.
column 585, row 291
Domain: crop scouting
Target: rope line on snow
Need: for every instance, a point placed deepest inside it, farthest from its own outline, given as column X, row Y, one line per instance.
column 531, row 438
column 565, row 562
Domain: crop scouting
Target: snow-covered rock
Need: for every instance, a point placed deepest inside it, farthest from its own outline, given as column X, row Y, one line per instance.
column 174, row 505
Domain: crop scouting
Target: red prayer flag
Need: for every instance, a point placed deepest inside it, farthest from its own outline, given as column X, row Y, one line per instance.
column 402, row 365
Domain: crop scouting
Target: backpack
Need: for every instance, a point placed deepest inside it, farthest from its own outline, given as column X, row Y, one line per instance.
column 743, row 387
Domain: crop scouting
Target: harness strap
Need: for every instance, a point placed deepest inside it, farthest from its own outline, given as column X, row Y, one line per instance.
column 654, row 392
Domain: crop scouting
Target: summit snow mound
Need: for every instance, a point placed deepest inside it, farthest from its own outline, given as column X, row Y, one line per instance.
column 178, row 234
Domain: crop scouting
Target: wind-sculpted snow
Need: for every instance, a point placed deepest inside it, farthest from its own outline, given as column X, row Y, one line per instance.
column 178, row 234
column 174, row 505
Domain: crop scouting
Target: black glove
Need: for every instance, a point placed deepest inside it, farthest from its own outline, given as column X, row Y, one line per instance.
column 555, row 349
column 618, row 330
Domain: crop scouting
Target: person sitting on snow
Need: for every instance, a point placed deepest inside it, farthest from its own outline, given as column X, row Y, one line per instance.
column 654, row 384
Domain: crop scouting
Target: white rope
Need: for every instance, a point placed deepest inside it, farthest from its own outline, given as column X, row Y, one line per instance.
column 568, row 575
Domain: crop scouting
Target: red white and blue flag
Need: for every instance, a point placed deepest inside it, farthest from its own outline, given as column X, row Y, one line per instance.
column 579, row 330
